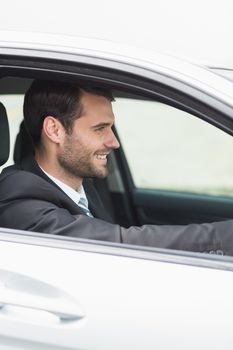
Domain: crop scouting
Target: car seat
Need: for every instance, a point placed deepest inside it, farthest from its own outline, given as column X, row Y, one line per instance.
column 4, row 136
column 23, row 144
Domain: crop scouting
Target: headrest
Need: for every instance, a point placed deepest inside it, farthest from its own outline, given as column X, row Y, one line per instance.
column 23, row 144
column 4, row 136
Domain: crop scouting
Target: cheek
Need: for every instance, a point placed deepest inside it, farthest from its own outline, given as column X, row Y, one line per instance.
column 92, row 141
column 86, row 142
column 83, row 147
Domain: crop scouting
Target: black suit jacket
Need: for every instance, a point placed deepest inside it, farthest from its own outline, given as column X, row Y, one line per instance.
column 94, row 202
column 29, row 200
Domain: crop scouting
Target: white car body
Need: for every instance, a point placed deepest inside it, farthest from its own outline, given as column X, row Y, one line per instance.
column 64, row 293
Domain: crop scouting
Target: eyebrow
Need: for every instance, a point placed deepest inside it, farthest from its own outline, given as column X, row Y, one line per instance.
column 101, row 125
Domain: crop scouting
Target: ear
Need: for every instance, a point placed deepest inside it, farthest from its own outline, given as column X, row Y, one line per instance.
column 53, row 129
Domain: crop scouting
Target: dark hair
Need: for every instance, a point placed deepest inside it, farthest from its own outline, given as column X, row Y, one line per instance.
column 58, row 99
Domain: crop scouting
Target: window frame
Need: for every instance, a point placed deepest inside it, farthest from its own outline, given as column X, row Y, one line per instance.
column 219, row 115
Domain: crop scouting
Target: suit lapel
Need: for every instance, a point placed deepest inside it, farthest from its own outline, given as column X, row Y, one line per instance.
column 95, row 204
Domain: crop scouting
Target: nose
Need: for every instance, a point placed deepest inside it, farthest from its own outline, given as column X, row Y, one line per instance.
column 112, row 141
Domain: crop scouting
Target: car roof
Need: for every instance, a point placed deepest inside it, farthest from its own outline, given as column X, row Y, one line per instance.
column 111, row 54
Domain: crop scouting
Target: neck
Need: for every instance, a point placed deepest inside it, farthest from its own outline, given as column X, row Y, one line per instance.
column 53, row 169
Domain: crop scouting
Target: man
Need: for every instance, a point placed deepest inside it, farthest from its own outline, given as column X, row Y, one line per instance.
column 71, row 129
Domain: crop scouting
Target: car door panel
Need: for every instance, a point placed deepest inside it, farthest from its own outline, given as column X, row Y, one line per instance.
column 131, row 298
column 163, row 207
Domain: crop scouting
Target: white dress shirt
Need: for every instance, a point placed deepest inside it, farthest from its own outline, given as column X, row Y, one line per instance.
column 78, row 196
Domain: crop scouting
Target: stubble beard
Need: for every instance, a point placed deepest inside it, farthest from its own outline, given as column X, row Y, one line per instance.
column 76, row 162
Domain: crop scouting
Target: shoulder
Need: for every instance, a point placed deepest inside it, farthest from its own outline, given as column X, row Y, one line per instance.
column 17, row 184
column 24, row 186
column 15, row 177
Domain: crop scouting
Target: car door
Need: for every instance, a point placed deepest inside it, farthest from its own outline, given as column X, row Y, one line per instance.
column 63, row 293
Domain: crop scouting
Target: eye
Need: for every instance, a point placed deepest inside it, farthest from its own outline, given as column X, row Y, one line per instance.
column 100, row 128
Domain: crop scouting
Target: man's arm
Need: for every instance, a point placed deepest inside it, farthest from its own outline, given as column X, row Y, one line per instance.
column 42, row 216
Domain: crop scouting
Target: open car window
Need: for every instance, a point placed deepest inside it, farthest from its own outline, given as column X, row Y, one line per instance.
column 167, row 171
column 170, row 149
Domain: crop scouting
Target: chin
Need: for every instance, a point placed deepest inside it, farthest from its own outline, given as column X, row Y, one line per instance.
column 101, row 173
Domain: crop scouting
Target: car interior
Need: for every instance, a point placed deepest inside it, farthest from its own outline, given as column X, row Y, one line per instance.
column 4, row 136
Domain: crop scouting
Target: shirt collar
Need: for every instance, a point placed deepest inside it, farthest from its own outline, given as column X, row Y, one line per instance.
column 73, row 194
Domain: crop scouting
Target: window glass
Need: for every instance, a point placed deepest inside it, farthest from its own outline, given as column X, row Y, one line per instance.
column 170, row 149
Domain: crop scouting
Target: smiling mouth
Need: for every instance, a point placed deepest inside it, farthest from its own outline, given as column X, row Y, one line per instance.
column 102, row 156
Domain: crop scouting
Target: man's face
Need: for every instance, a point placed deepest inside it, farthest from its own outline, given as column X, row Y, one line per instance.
column 84, row 152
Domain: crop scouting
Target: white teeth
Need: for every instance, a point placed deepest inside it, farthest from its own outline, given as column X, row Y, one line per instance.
column 101, row 156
